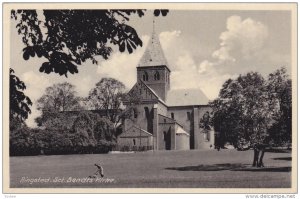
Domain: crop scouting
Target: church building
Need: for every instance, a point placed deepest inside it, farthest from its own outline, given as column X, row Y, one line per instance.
column 164, row 119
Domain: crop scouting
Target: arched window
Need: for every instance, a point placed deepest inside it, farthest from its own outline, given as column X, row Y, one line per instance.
column 133, row 142
column 147, row 113
column 172, row 115
column 156, row 75
column 145, row 76
column 135, row 114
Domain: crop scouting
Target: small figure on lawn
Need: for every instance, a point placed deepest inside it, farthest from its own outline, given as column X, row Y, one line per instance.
column 98, row 172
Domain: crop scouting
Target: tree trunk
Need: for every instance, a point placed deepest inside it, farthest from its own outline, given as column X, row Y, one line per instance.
column 262, row 153
column 255, row 160
column 259, row 152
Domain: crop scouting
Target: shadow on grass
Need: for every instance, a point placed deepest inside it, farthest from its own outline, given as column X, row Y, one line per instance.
column 272, row 150
column 230, row 167
column 283, row 158
column 267, row 169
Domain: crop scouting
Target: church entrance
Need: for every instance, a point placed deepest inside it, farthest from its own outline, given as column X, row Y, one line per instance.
column 167, row 140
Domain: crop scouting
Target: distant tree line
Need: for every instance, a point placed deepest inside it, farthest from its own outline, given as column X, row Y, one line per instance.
column 69, row 124
column 85, row 132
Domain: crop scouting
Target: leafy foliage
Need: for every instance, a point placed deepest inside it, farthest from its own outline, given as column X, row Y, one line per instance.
column 104, row 130
column 205, row 121
column 280, row 91
column 83, row 129
column 84, row 133
column 16, row 123
column 107, row 96
column 242, row 110
column 251, row 109
column 59, row 97
column 58, row 121
column 67, row 38
column 21, row 142
column 18, row 102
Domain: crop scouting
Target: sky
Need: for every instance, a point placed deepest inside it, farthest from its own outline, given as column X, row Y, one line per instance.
column 203, row 50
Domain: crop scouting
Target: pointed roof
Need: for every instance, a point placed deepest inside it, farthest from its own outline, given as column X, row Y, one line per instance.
column 179, row 130
column 153, row 92
column 153, row 55
column 135, row 131
column 148, row 87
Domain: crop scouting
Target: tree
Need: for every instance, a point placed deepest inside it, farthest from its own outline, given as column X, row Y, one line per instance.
column 83, row 128
column 60, row 142
column 104, row 130
column 58, row 121
column 107, row 96
column 90, row 131
column 18, row 102
column 205, row 124
column 59, row 97
column 21, row 142
column 280, row 91
column 242, row 111
column 66, row 38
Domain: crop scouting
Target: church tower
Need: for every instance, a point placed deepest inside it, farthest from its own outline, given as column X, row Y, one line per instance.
column 153, row 68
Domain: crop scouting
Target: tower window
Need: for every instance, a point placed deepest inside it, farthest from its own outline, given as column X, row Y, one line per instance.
column 145, row 76
column 147, row 113
column 188, row 114
column 172, row 115
column 156, row 75
column 135, row 113
column 166, row 77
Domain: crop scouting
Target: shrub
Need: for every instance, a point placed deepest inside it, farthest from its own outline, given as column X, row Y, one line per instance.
column 22, row 142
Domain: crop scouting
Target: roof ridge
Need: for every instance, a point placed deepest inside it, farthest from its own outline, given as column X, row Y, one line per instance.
column 167, row 117
column 185, row 89
column 141, row 129
column 150, row 89
column 153, row 92
column 161, row 100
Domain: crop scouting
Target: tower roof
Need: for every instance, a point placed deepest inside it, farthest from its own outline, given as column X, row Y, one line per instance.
column 153, row 55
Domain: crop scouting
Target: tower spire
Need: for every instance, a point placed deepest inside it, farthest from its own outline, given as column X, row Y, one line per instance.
column 153, row 29
column 153, row 55
column 154, row 64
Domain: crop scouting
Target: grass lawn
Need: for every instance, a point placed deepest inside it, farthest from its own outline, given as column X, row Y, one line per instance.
column 161, row 169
